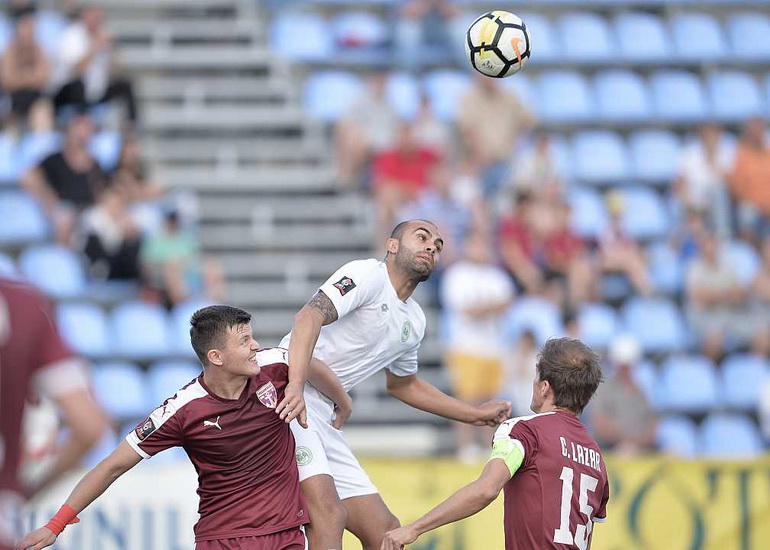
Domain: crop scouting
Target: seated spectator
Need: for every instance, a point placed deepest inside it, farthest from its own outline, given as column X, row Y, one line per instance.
column 369, row 128
column 621, row 416
column 491, row 122
column 131, row 178
column 520, row 371
column 174, row 269
column 518, row 245
column 761, row 302
column 566, row 258
column 749, row 180
column 534, row 169
column 411, row 31
column 476, row 294
column 701, row 180
column 24, row 69
column 685, row 239
column 86, row 72
column 618, row 253
column 429, row 131
column 69, row 181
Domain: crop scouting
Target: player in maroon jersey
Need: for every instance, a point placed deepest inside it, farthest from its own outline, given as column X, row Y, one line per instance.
column 552, row 471
column 225, row 419
column 33, row 358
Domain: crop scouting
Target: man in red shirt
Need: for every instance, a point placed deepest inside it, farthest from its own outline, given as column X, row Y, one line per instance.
column 553, row 473
column 33, row 358
column 225, row 420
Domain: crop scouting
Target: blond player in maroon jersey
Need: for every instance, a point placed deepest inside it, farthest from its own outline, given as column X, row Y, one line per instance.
column 551, row 469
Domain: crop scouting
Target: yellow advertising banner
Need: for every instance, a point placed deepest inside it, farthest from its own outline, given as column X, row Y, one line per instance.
column 655, row 504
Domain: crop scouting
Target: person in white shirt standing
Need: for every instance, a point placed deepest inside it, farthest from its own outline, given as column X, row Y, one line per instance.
column 85, row 71
column 362, row 320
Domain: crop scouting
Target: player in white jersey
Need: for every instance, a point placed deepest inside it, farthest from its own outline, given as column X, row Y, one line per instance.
column 363, row 320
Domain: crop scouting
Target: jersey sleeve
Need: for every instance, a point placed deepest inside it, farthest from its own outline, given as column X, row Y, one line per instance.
column 353, row 285
column 522, row 435
column 601, row 514
column 160, row 431
column 406, row 365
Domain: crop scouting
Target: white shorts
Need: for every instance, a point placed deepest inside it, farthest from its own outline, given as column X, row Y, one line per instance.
column 321, row 449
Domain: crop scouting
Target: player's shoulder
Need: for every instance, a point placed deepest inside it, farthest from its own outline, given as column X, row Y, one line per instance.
column 22, row 291
column 534, row 422
column 187, row 396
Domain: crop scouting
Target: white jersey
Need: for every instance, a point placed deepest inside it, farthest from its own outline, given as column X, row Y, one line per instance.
column 374, row 329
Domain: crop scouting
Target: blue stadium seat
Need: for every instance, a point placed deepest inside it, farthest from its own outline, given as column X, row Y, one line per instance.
column 359, row 29
column 589, row 214
column 538, row 315
column 167, row 377
column 678, row 435
column 6, row 32
column 8, row 267
column 654, row 155
column 55, row 269
column 85, row 328
column 656, row 322
column 642, row 37
column 544, row 36
column 599, row 157
column 329, row 94
column 690, row 384
column 622, row 95
column 645, row 215
column 10, row 168
column 743, row 377
column 23, row 220
column 735, row 95
column 565, row 96
column 446, row 89
column 141, row 330
column 666, row 270
column 121, row 389
column 36, row 146
column 598, row 324
column 403, row 93
column 697, row 36
column 524, row 89
column 646, row 375
column 730, row 436
column 600, row 47
column 49, row 29
column 180, row 325
column 561, row 155
column 749, row 35
column 105, row 147
column 744, row 259
column 678, row 95
column 316, row 43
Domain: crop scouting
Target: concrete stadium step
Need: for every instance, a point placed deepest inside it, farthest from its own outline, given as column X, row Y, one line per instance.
column 166, row 6
column 253, row 179
column 218, row 117
column 226, row 88
column 316, row 266
column 245, row 236
column 251, row 151
column 166, row 32
column 317, row 208
column 197, row 58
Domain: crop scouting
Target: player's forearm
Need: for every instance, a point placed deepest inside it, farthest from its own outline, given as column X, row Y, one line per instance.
column 304, row 335
column 464, row 503
column 325, row 381
column 421, row 395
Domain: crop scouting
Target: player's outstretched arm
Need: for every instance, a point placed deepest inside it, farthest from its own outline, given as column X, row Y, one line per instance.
column 418, row 393
column 93, row 484
column 325, row 381
column 467, row 501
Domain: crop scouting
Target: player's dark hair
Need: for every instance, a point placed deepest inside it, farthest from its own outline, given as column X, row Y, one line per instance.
column 209, row 326
column 573, row 370
column 399, row 230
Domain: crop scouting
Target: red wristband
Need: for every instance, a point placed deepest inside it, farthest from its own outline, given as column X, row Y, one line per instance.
column 65, row 516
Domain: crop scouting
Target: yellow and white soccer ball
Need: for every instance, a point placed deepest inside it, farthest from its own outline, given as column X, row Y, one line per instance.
column 497, row 44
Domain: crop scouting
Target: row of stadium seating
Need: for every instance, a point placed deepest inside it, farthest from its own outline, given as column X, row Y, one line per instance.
column 719, row 436
column 564, row 96
column 635, row 37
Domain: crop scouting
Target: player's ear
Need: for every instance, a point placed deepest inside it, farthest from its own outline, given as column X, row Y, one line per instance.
column 215, row 357
column 392, row 246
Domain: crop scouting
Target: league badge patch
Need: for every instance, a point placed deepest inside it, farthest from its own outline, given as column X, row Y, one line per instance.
column 145, row 429
column 345, row 285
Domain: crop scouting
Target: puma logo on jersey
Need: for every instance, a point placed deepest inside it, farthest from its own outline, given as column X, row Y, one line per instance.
column 214, row 423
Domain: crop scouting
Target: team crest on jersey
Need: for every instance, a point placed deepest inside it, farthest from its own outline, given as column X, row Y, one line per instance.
column 406, row 330
column 145, row 429
column 268, row 396
column 345, row 285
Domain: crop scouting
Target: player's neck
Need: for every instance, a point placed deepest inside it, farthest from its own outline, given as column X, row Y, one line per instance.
column 550, row 407
column 224, row 385
column 403, row 284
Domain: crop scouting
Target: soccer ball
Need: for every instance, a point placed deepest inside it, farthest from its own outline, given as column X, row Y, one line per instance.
column 497, row 44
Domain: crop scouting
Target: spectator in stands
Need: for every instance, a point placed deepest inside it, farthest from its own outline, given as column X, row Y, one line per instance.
column 131, row 177
column 491, row 122
column 701, row 179
column 621, row 415
column 534, row 169
column 411, row 31
column 685, row 239
column 476, row 294
column 24, row 69
column 369, row 128
column 173, row 266
column 87, row 71
column 761, row 302
column 619, row 253
column 520, row 366
column 69, row 181
column 431, row 132
column 749, row 180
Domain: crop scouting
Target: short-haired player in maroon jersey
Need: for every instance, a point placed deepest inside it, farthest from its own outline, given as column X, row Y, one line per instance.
column 225, row 419
column 552, row 471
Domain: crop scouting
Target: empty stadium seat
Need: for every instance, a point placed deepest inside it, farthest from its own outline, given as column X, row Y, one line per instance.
column 600, row 47
column 23, row 220
column 403, row 93
column 446, row 89
column 678, row 435
column 589, row 214
column 730, row 436
column 180, row 325
column 599, row 157
column 55, row 269
column 49, row 29
column 561, row 155
column 598, row 324
column 538, row 315
column 544, row 35
column 6, row 32
column 120, row 388
column 654, row 155
column 524, row 89
column 105, row 147
column 642, row 37
column 316, row 41
column 689, row 384
column 698, row 36
column 749, row 35
column 656, row 323
column 678, row 95
column 167, row 377
column 141, row 330
column 645, row 215
column 735, row 95
column 10, row 169
column 85, row 328
column 359, row 29
column 666, row 269
column 329, row 94
column 743, row 377
column 744, row 260
column 565, row 96
column 622, row 95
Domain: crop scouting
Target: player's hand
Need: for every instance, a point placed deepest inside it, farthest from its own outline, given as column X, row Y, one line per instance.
column 398, row 538
column 493, row 413
column 293, row 405
column 37, row 539
column 342, row 412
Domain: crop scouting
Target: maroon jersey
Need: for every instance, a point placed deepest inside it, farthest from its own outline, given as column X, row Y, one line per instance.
column 248, row 482
column 561, row 487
